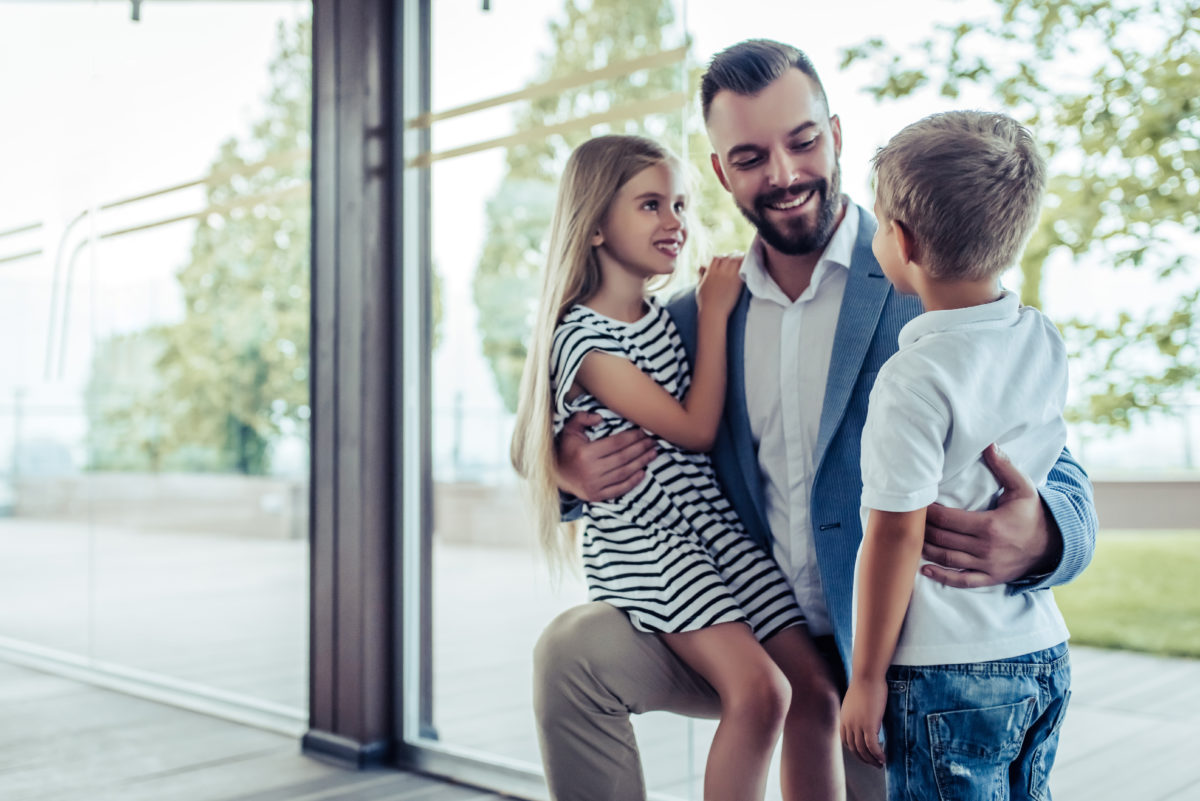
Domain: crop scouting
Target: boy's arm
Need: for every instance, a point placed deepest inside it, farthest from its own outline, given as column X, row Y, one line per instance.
column 1028, row 541
column 887, row 566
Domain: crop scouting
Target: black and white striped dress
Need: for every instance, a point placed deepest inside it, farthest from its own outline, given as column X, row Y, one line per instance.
column 671, row 552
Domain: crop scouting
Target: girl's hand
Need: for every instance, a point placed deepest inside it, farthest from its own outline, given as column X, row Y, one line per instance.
column 720, row 285
column 862, row 715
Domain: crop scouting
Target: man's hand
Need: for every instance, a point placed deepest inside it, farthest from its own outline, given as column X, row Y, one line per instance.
column 998, row 546
column 604, row 469
column 862, row 715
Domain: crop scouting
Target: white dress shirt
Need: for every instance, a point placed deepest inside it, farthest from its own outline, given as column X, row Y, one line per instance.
column 787, row 353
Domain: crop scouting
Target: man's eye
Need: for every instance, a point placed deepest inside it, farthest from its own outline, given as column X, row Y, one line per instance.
column 806, row 144
column 746, row 164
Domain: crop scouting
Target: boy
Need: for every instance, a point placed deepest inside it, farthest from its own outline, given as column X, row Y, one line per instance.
column 974, row 682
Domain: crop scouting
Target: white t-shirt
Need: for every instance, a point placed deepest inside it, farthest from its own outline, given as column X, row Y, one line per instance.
column 962, row 379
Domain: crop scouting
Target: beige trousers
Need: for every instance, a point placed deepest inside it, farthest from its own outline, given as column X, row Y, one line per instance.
column 592, row 669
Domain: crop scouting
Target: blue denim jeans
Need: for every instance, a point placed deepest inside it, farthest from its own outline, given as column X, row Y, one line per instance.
column 983, row 731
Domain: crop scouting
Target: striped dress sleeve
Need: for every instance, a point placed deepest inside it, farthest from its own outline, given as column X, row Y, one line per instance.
column 573, row 341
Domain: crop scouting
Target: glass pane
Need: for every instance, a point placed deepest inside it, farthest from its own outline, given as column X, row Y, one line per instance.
column 154, row 443
column 492, row 594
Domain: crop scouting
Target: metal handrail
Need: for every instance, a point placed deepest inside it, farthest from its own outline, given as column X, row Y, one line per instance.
column 27, row 254
column 61, row 285
column 663, row 58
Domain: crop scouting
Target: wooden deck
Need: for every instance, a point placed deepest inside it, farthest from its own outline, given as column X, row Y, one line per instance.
column 232, row 615
column 62, row 740
column 1130, row 734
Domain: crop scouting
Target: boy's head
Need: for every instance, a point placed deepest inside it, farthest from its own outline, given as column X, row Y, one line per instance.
column 966, row 186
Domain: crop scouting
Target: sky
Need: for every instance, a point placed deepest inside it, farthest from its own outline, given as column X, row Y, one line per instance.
column 98, row 107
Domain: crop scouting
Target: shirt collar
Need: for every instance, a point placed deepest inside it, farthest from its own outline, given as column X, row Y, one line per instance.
column 985, row 315
column 837, row 253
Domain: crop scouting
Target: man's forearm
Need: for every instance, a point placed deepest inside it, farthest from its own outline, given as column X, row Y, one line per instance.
column 1071, row 519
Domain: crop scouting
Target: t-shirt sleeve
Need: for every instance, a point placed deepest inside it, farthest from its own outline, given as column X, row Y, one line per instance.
column 903, row 448
column 573, row 341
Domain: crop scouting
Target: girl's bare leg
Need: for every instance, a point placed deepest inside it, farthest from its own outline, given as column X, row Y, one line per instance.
column 811, row 764
column 754, row 696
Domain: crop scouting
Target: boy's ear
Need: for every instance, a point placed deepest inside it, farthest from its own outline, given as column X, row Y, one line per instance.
column 905, row 241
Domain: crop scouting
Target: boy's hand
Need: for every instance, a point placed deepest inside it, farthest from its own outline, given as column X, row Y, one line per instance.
column 862, row 715
column 604, row 469
column 998, row 546
column 720, row 285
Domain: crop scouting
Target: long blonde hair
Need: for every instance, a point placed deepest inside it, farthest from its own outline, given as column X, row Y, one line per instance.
column 594, row 174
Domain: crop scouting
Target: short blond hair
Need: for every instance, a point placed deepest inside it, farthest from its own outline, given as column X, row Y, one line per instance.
column 968, row 186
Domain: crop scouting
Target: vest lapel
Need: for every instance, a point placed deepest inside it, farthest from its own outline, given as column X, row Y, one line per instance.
column 737, row 412
column 866, row 292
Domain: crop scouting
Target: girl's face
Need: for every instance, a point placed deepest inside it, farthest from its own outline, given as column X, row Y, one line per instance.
column 645, row 226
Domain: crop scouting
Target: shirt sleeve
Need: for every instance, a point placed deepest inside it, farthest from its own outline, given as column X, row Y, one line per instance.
column 572, row 342
column 903, row 448
column 1067, row 495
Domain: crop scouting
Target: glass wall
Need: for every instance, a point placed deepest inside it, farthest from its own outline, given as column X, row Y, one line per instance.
column 491, row 592
column 513, row 87
column 154, row 325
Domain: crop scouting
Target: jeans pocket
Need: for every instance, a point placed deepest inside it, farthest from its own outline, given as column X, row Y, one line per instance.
column 1043, row 754
column 972, row 748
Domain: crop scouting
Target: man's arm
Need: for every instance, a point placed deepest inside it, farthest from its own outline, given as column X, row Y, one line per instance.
column 1028, row 541
column 600, row 470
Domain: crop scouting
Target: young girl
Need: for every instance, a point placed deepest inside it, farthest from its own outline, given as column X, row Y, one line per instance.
column 671, row 552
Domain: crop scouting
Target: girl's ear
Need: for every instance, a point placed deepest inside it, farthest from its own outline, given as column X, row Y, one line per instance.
column 597, row 239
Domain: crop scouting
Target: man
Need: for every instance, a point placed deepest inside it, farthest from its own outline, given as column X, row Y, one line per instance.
column 814, row 324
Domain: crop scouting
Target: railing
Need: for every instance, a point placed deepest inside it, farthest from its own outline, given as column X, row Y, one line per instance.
column 69, row 245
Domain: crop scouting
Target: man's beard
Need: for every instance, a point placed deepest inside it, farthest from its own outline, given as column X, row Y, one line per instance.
column 797, row 237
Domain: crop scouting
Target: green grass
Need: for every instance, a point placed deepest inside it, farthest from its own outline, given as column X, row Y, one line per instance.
column 1140, row 593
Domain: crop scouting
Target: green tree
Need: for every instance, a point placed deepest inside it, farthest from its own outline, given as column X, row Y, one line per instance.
column 214, row 389
column 236, row 367
column 120, row 400
column 1111, row 89
column 588, row 36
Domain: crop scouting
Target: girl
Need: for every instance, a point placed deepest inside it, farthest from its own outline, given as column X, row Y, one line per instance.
column 671, row 552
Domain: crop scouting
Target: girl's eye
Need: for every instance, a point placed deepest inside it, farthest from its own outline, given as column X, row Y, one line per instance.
column 651, row 205
column 679, row 206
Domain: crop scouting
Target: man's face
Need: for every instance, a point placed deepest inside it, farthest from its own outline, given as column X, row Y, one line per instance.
column 777, row 154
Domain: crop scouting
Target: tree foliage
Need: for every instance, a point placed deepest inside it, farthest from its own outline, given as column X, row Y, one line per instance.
column 1111, row 90
column 588, row 36
column 232, row 375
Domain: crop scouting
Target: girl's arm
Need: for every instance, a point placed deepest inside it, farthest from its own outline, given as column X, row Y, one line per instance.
column 622, row 387
column 887, row 567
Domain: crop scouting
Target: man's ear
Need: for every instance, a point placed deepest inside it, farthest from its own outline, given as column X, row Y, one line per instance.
column 835, row 126
column 716, row 165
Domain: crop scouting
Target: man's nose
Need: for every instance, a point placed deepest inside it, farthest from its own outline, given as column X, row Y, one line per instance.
column 783, row 170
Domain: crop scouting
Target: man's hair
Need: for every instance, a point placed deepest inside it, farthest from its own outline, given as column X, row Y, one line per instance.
column 748, row 67
column 968, row 187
